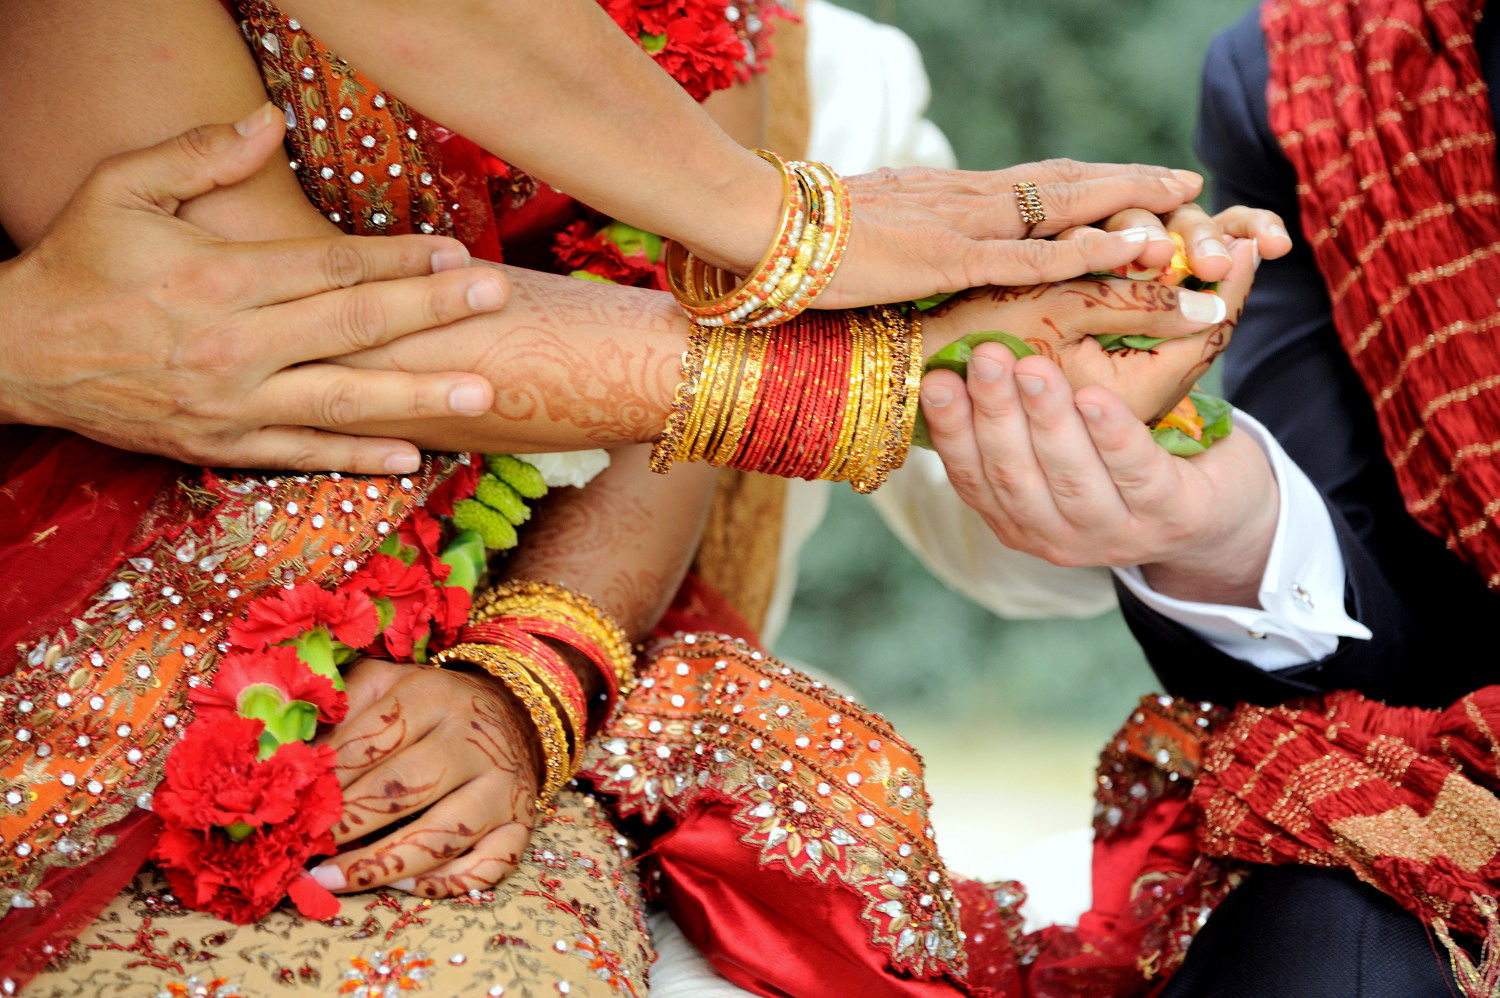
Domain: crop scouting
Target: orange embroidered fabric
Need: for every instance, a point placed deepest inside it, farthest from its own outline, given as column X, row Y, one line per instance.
column 1382, row 109
column 89, row 714
column 819, row 791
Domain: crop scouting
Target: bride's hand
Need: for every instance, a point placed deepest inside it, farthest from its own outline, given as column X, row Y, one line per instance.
column 1059, row 321
column 456, row 744
column 918, row 231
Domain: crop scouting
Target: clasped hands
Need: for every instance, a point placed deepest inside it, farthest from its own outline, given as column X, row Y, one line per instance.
column 1054, row 451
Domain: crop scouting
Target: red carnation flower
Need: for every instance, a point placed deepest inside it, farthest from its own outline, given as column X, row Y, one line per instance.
column 279, row 668
column 702, row 54
column 289, row 613
column 413, row 600
column 459, row 485
column 650, row 17
column 580, row 247
column 214, row 779
column 452, row 614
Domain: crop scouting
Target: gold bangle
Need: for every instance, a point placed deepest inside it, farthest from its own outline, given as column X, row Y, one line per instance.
column 839, row 454
column 508, row 667
column 755, row 363
column 557, row 602
column 666, row 450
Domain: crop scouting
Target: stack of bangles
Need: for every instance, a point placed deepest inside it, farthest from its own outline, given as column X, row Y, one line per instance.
column 830, row 395
column 504, row 637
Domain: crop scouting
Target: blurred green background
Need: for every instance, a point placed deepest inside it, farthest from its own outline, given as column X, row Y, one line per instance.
column 1013, row 81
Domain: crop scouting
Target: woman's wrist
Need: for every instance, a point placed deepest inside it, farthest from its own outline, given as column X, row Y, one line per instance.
column 941, row 327
column 736, row 230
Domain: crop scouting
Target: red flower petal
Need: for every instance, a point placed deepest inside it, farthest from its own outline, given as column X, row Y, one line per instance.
column 278, row 667
column 312, row 898
column 459, row 485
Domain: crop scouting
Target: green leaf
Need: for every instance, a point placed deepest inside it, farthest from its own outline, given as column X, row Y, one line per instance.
column 1114, row 342
column 1177, row 442
column 1218, row 416
column 465, row 557
column 955, row 357
column 285, row 721
column 419, row 648
column 653, row 43
column 315, row 648
column 393, row 547
column 633, row 241
column 385, row 611
column 589, row 275
column 933, row 301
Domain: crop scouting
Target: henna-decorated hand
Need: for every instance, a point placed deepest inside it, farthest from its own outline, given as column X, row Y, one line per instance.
column 1060, row 322
column 456, row 746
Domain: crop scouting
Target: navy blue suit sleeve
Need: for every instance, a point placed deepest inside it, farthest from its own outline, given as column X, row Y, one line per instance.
column 1286, row 367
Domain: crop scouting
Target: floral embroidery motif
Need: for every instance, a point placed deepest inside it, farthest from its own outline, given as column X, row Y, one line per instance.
column 823, row 788
column 572, row 923
column 384, row 974
column 91, row 711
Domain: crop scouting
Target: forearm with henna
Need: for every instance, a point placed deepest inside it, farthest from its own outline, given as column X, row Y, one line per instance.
column 626, row 540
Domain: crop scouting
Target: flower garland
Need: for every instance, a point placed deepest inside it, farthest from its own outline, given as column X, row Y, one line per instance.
column 705, row 45
column 612, row 252
column 246, row 800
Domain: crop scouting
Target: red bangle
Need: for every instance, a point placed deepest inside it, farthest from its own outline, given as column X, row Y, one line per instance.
column 548, row 667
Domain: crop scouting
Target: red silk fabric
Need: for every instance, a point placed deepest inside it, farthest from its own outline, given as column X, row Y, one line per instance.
column 765, row 930
column 1403, row 797
column 1381, row 108
column 70, row 511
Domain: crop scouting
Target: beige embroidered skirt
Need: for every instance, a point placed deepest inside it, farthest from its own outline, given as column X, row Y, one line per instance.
column 568, row 921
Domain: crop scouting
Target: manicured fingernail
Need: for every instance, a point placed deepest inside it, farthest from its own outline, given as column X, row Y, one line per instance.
column 1136, row 235
column 1210, row 246
column 485, row 295
column 937, row 396
column 329, row 877
column 398, row 464
column 1201, row 307
column 1031, row 384
column 1276, row 230
column 986, row 369
column 407, row 884
column 452, row 258
column 1158, row 235
column 256, row 120
column 1255, row 252
column 1091, row 411
column 469, row 400
column 1176, row 187
column 1193, row 180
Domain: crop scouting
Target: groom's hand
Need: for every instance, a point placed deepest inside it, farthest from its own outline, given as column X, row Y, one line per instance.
column 1079, row 480
column 133, row 327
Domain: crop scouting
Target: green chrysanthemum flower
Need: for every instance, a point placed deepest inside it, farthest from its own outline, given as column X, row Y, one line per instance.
column 498, row 532
column 502, row 499
column 518, row 474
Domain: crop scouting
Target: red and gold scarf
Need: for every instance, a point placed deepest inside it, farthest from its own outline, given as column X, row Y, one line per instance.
column 1381, row 107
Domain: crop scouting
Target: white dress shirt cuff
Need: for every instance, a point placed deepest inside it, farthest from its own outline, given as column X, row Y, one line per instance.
column 1301, row 593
